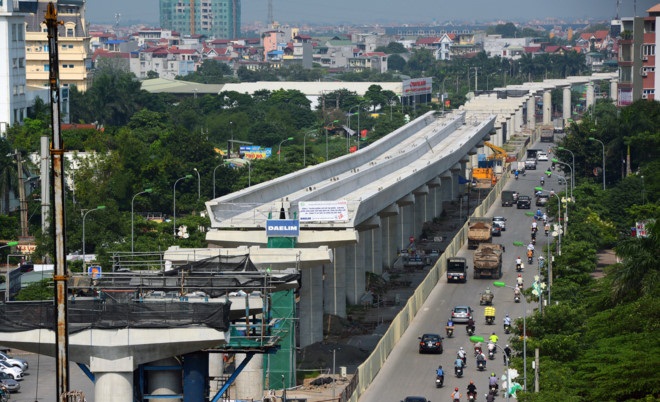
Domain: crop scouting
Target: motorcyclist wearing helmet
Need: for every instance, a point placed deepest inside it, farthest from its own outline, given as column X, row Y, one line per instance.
column 493, row 338
column 481, row 358
column 470, row 324
column 472, row 389
column 492, row 380
column 456, row 396
column 458, row 364
column 487, row 291
column 440, row 373
column 507, row 321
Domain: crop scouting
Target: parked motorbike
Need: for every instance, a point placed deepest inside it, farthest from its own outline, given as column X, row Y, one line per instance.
column 439, row 381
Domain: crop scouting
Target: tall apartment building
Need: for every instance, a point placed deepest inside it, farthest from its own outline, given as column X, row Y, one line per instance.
column 637, row 58
column 216, row 19
column 13, row 102
column 73, row 41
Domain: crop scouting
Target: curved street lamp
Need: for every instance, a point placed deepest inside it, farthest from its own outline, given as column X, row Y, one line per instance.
column 554, row 160
column 603, row 145
column 83, row 232
column 501, row 284
column 573, row 165
column 279, row 148
column 199, row 184
column 214, row 169
column 146, row 190
column 188, row 176
column 305, row 147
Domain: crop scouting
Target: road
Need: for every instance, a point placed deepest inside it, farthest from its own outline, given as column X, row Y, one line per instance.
column 39, row 381
column 406, row 372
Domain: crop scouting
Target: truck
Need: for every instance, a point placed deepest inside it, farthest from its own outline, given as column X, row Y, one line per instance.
column 519, row 166
column 524, row 202
column 547, row 133
column 508, row 198
column 558, row 125
column 457, row 269
column 479, row 231
column 531, row 153
column 488, row 261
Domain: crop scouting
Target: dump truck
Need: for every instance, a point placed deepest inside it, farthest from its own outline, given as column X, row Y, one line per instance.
column 457, row 269
column 547, row 133
column 558, row 124
column 487, row 261
column 479, row 232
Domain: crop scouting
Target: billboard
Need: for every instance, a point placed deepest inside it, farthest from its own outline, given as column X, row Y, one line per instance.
column 282, row 228
column 323, row 211
column 417, row 86
column 255, row 152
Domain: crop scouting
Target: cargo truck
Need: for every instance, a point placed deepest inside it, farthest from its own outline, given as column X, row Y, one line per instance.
column 547, row 133
column 479, row 231
column 457, row 269
column 487, row 261
column 508, row 198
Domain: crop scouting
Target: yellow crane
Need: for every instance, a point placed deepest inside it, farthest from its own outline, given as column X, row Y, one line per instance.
column 500, row 153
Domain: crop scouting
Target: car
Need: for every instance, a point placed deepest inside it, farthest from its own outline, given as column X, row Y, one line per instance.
column 542, row 199
column 14, row 361
column 530, row 164
column 496, row 230
column 461, row 313
column 415, row 399
column 14, row 372
column 541, row 156
column 500, row 221
column 430, row 343
column 524, row 202
column 11, row 384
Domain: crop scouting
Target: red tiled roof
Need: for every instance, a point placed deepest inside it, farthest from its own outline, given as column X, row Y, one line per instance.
column 452, row 36
column 531, row 49
column 427, row 41
column 586, row 35
column 601, row 35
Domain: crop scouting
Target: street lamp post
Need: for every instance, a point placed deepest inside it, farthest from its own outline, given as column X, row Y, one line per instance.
column 359, row 135
column 188, row 176
column 573, row 165
column 249, row 172
column 199, row 184
column 504, row 285
column 475, row 339
column 279, row 148
column 146, row 190
column 572, row 173
column 214, row 169
column 603, row 145
column 348, row 144
column 83, row 232
column 305, row 147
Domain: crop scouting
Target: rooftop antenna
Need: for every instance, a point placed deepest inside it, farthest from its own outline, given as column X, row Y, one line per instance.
column 117, row 19
column 618, row 5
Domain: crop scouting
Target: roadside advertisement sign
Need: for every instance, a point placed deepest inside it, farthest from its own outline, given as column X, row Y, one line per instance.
column 255, row 152
column 94, row 271
column 417, row 86
column 323, row 211
column 282, row 228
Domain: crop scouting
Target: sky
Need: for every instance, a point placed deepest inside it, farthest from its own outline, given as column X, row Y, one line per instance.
column 386, row 11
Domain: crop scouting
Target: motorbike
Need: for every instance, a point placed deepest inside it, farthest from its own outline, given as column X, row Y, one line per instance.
column 490, row 319
column 516, row 298
column 493, row 389
column 464, row 358
column 458, row 371
column 439, row 381
column 450, row 332
column 546, row 232
column 516, row 175
column 491, row 354
column 530, row 259
column 481, row 365
column 470, row 330
column 542, row 182
column 472, row 396
column 507, row 329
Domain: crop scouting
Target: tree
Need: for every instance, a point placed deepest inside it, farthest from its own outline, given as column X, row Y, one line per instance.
column 392, row 48
column 396, row 63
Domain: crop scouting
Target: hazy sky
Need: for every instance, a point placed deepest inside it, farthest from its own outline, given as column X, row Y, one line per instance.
column 386, row 11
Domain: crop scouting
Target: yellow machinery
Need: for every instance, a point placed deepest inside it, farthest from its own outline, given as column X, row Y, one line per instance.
column 499, row 154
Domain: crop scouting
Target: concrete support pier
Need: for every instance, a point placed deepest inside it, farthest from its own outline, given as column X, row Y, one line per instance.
column 531, row 113
column 335, row 284
column 547, row 107
column 311, row 306
column 614, row 90
column 566, row 104
column 250, row 384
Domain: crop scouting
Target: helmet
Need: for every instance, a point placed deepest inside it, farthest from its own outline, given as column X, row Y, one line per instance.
column 507, row 314
column 492, row 374
column 493, row 333
column 507, row 346
column 461, row 348
column 440, row 366
column 456, row 389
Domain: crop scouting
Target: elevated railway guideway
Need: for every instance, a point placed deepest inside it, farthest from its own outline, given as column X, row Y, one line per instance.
column 390, row 189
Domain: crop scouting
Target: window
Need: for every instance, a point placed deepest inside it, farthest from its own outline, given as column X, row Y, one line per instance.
column 14, row 32
column 70, row 65
column 64, row 66
column 69, row 32
column 21, row 62
column 46, row 67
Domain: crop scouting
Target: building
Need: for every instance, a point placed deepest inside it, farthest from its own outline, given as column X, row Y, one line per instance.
column 217, row 19
column 73, row 40
column 636, row 57
column 13, row 102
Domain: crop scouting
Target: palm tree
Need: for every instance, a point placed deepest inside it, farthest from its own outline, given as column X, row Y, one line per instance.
column 639, row 273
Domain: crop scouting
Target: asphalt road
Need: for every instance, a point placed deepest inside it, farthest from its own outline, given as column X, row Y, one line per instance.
column 406, row 372
column 39, row 381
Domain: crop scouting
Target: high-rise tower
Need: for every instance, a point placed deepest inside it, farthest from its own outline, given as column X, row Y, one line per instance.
column 219, row 19
column 13, row 103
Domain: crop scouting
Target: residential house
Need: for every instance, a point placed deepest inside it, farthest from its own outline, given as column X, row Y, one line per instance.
column 167, row 62
column 637, row 58
column 374, row 61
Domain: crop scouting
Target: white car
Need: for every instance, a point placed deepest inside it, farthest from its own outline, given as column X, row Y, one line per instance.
column 542, row 156
column 14, row 361
column 14, row 372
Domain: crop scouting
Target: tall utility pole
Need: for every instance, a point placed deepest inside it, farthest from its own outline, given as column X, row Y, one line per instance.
column 271, row 19
column 476, row 75
column 57, row 156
